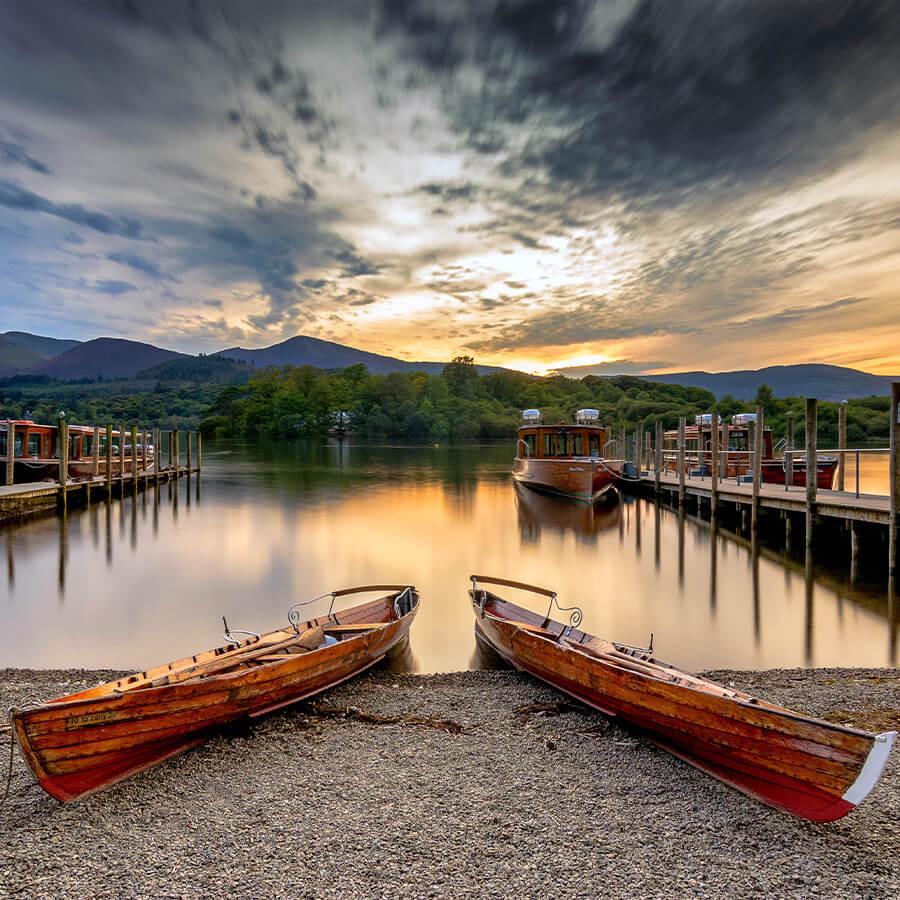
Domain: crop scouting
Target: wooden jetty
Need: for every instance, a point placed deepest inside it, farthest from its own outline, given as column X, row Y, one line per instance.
column 672, row 475
column 124, row 475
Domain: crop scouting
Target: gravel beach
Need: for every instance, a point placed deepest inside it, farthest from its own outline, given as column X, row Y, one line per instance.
column 453, row 785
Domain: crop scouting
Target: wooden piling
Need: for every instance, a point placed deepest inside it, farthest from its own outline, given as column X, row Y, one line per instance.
column 811, row 432
column 645, row 462
column 109, row 440
column 144, row 436
column 122, row 451
column 757, row 467
column 95, row 453
column 895, row 480
column 658, row 458
column 681, row 461
column 714, row 464
column 789, row 450
column 10, row 451
column 157, row 455
column 187, row 450
column 623, row 444
column 134, row 466
column 199, row 455
column 637, row 449
column 62, row 450
column 842, row 443
column 175, row 449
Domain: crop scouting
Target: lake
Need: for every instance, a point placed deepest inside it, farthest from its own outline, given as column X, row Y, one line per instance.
column 146, row 580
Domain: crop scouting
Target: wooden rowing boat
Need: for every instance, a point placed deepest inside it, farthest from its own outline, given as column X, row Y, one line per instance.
column 84, row 742
column 806, row 766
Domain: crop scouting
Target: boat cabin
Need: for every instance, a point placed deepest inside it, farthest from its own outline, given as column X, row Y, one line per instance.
column 542, row 441
column 736, row 436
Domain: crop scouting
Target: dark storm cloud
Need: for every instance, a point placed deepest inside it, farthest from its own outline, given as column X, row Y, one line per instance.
column 14, row 154
column 113, row 287
column 727, row 96
column 449, row 191
column 15, row 197
column 353, row 264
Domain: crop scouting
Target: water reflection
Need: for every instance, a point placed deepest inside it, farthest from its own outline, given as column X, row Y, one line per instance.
column 329, row 516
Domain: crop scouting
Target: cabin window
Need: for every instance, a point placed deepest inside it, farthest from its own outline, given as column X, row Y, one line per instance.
column 738, row 440
column 3, row 443
column 18, row 442
column 549, row 445
column 576, row 444
column 530, row 440
column 87, row 442
column 34, row 444
column 594, row 442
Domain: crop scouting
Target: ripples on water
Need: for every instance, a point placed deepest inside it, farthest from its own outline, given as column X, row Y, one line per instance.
column 146, row 580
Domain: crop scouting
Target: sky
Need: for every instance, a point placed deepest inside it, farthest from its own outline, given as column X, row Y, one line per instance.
column 613, row 187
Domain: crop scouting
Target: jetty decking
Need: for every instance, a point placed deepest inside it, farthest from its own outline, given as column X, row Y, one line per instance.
column 123, row 476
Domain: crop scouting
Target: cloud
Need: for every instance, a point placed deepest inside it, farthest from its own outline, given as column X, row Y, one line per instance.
column 14, row 154
column 134, row 261
column 113, row 287
column 14, row 197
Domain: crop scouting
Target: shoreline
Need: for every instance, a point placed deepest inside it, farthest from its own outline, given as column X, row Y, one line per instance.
column 310, row 802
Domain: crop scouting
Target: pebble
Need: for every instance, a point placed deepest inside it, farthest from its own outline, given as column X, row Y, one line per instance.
column 562, row 805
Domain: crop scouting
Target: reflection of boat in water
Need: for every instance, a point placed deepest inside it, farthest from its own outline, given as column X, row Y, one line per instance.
column 567, row 460
column 736, row 453
column 36, row 451
column 806, row 766
column 84, row 742
column 537, row 510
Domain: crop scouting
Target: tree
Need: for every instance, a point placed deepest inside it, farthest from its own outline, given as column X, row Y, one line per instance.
column 461, row 376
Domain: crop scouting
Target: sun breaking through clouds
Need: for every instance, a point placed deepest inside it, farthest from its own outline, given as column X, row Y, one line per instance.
column 623, row 186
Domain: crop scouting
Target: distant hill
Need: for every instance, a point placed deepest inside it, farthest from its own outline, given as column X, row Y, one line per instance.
column 809, row 380
column 301, row 351
column 104, row 357
column 14, row 359
column 42, row 347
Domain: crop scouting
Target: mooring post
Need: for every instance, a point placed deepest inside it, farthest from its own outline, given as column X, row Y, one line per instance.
column 895, row 479
column 187, row 450
column 637, row 449
column 144, row 436
column 62, row 449
column 658, row 461
column 681, row 460
column 122, row 451
column 10, row 451
column 789, row 450
column 647, row 457
column 714, row 464
column 134, row 454
column 157, row 455
column 95, row 452
column 109, row 440
column 757, row 466
column 842, row 443
column 199, row 452
column 623, row 444
column 175, row 450
column 811, row 481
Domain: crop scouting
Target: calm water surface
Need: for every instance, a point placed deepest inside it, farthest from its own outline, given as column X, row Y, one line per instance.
column 144, row 581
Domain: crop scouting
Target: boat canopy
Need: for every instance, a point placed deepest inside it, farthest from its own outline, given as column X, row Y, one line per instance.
column 743, row 418
column 531, row 416
column 587, row 416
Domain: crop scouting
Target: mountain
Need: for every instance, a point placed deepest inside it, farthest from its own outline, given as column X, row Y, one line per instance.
column 808, row 380
column 42, row 347
column 301, row 351
column 106, row 357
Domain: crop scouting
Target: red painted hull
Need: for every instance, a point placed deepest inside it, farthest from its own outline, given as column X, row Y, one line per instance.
column 805, row 766
column 81, row 744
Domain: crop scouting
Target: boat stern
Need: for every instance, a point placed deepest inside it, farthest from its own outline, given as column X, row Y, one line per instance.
column 872, row 768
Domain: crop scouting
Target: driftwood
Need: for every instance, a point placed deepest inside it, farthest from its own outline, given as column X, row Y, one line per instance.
column 351, row 712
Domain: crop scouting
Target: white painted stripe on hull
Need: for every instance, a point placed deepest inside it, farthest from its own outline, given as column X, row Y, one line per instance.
column 872, row 769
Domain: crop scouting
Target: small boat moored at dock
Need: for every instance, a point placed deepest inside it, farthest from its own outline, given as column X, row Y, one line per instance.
column 567, row 460
column 86, row 741
column 807, row 766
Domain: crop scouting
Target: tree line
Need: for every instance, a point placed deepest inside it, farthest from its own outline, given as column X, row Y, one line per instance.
column 461, row 405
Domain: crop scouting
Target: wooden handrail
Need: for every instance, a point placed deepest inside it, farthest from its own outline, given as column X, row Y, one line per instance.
column 487, row 579
column 372, row 587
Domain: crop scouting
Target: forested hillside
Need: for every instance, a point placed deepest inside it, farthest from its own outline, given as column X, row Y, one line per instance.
column 461, row 405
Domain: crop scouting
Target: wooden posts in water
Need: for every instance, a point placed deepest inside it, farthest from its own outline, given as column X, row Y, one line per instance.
column 134, row 455
column 681, row 460
column 623, row 444
column 109, row 439
column 95, row 452
column 895, row 481
column 121, row 451
column 811, row 431
column 199, row 454
column 10, row 450
column 789, row 450
column 157, row 455
column 62, row 451
column 175, row 449
column 645, row 459
column 714, row 463
column 637, row 448
column 658, row 455
column 187, row 450
column 144, row 436
column 757, row 467
column 842, row 443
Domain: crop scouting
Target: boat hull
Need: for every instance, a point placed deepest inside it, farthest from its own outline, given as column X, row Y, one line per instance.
column 79, row 745
column 805, row 766
column 578, row 478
